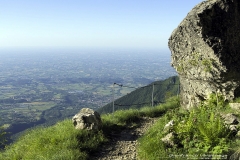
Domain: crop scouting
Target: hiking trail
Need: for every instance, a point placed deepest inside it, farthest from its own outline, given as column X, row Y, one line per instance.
column 123, row 145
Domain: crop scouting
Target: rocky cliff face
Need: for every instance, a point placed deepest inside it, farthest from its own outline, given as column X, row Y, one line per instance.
column 206, row 51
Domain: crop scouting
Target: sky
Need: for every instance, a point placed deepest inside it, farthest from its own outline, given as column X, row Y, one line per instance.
column 95, row 24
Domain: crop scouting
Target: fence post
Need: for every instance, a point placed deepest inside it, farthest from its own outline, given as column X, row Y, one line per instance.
column 113, row 95
column 178, row 89
column 152, row 94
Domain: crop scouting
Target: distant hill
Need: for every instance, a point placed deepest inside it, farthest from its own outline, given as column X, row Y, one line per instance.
column 143, row 96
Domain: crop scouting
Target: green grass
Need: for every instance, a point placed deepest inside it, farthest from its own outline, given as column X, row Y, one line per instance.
column 151, row 147
column 35, row 108
column 62, row 141
column 237, row 100
column 124, row 117
column 199, row 131
column 41, row 106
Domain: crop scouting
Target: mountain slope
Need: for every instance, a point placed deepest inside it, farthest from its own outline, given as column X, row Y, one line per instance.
column 143, row 96
column 63, row 141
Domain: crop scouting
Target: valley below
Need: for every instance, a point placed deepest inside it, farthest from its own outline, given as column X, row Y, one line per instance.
column 43, row 88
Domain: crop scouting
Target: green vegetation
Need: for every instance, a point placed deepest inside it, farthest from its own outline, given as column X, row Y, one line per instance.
column 126, row 117
column 200, row 132
column 2, row 136
column 203, row 131
column 62, row 141
column 196, row 60
column 143, row 96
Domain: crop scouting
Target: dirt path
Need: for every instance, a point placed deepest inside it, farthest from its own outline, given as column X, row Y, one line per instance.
column 122, row 145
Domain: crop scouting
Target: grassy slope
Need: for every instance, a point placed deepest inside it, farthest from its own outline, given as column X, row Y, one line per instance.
column 143, row 96
column 62, row 141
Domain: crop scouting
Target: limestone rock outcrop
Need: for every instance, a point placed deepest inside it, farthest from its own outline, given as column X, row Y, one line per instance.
column 235, row 106
column 87, row 119
column 205, row 50
column 170, row 139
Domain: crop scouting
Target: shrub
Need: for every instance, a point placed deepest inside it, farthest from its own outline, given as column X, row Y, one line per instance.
column 203, row 131
column 200, row 131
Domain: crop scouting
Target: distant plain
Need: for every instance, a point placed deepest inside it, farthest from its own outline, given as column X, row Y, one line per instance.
column 54, row 85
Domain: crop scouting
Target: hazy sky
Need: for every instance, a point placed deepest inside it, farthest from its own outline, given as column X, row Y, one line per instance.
column 127, row 24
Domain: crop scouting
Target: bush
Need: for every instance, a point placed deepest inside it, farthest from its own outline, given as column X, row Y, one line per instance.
column 200, row 131
column 203, row 131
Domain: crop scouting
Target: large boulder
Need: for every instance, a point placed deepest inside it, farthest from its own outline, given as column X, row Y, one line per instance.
column 87, row 119
column 205, row 51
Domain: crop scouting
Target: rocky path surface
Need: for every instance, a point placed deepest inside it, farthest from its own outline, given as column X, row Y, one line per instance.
column 122, row 145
